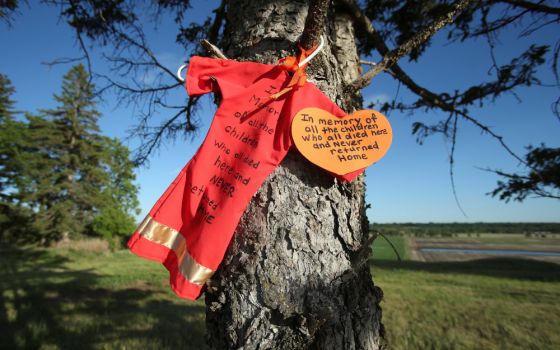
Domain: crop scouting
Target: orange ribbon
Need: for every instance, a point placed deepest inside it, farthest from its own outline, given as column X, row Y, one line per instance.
column 291, row 64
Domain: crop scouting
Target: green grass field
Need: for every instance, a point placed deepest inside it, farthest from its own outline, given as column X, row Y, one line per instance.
column 69, row 299
column 495, row 303
column 382, row 249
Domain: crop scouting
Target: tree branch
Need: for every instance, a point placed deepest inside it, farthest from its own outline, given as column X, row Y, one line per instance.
column 379, row 233
column 143, row 47
column 86, row 55
column 140, row 90
column 152, row 139
column 519, row 72
column 214, row 30
column 499, row 138
column 363, row 22
column 314, row 23
column 212, row 49
column 8, row 10
column 421, row 37
column 63, row 60
column 533, row 6
column 518, row 187
column 369, row 63
column 495, row 26
column 452, row 164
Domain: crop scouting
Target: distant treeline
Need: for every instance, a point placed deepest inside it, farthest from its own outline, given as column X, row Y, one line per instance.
column 451, row 229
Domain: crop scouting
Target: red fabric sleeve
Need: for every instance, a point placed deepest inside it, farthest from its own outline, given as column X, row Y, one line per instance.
column 227, row 76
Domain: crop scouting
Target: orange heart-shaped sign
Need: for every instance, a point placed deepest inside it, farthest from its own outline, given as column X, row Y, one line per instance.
column 341, row 145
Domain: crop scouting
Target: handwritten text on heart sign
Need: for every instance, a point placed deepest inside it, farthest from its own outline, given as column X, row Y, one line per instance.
column 341, row 145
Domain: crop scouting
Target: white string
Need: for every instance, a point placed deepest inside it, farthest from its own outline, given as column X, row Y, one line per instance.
column 180, row 70
column 304, row 62
column 308, row 58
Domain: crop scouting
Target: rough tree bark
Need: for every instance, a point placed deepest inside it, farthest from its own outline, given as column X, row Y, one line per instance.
column 296, row 273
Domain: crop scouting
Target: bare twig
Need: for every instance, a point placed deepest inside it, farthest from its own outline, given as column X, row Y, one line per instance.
column 86, row 54
column 452, row 163
column 396, row 96
column 8, row 11
column 391, row 244
column 556, row 108
column 140, row 90
column 212, row 49
column 153, row 138
column 369, row 63
column 489, row 131
column 63, row 60
column 498, row 24
column 141, row 45
column 537, row 7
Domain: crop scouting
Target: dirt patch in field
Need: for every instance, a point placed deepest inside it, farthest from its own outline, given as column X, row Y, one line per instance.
column 94, row 245
column 416, row 253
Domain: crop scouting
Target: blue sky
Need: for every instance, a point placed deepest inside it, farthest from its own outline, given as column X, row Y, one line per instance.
column 410, row 184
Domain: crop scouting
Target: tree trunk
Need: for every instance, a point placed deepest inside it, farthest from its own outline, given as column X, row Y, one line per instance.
column 296, row 274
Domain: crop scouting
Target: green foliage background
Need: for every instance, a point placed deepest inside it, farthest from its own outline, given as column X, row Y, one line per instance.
column 59, row 177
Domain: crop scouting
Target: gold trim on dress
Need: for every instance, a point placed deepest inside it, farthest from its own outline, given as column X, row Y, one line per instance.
column 168, row 237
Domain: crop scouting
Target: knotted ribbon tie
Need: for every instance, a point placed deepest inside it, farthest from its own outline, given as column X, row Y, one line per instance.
column 292, row 65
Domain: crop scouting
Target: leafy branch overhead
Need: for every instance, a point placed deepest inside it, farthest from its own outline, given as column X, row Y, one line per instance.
column 542, row 181
column 400, row 22
column 389, row 29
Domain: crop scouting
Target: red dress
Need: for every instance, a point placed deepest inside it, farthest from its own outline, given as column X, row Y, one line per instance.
column 191, row 225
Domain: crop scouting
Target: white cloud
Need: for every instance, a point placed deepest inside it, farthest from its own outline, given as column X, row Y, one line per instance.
column 378, row 99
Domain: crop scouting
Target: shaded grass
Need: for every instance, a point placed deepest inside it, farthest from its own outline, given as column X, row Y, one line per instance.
column 52, row 299
column 510, row 268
